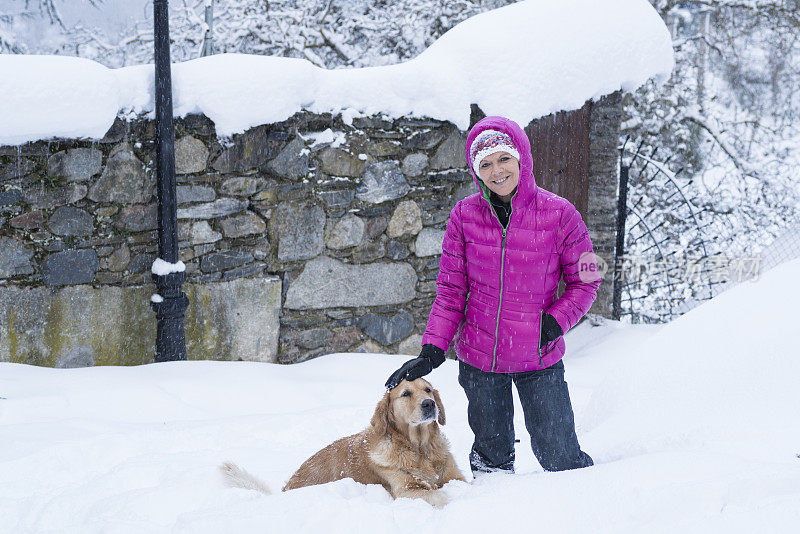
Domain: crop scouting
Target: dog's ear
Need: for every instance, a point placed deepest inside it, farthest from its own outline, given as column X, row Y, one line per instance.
column 439, row 405
column 380, row 419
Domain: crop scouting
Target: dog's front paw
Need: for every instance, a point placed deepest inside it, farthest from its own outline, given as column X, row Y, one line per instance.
column 437, row 499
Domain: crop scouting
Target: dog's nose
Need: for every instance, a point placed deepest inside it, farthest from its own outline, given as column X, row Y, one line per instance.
column 428, row 405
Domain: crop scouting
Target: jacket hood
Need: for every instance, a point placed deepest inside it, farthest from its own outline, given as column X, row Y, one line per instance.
column 527, row 187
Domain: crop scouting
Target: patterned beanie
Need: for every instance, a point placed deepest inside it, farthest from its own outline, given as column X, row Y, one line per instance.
column 488, row 142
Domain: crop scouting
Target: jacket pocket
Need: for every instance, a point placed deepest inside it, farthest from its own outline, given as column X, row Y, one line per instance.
column 550, row 345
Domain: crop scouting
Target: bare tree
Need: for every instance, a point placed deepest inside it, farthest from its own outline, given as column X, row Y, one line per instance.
column 727, row 118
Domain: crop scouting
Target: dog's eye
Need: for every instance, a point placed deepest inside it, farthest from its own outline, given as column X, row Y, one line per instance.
column 427, row 390
column 406, row 393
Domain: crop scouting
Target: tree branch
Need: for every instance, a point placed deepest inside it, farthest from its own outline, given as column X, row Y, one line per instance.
column 743, row 167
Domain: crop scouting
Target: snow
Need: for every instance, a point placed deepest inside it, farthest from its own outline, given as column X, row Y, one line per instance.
column 524, row 61
column 326, row 137
column 692, row 426
column 55, row 96
column 163, row 268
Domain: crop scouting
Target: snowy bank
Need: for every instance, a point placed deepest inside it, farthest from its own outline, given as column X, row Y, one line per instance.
column 692, row 425
column 524, row 61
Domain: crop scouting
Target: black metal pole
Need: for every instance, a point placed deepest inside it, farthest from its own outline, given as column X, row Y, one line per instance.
column 170, row 336
column 619, row 252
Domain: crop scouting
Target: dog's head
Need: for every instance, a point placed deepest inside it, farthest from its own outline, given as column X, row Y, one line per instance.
column 410, row 403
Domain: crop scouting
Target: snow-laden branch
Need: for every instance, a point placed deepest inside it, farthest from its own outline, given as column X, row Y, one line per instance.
column 693, row 116
column 337, row 45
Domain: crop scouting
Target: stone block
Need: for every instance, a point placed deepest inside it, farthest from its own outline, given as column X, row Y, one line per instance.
column 118, row 260
column 344, row 338
column 75, row 164
column 292, row 161
column 451, row 154
column 15, row 258
column 70, row 221
column 244, row 271
column 396, row 251
column 348, row 232
column 10, row 197
column 28, row 221
column 328, row 283
column 387, row 329
column 424, row 140
column 210, row 210
column 234, row 320
column 406, row 220
column 141, row 263
column 299, row 228
column 429, row 242
column 16, row 170
column 382, row 181
column 411, row 346
column 124, row 181
column 369, row 347
column 41, row 196
column 138, row 218
column 338, row 162
column 372, row 122
column 375, row 226
column 191, row 155
column 383, row 148
column 251, row 150
column 242, row 186
column 369, row 252
column 70, row 267
column 243, row 225
column 225, row 259
column 337, row 200
column 313, row 338
column 187, row 194
column 414, row 164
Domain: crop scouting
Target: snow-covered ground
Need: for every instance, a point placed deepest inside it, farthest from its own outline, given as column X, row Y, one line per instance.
column 693, row 427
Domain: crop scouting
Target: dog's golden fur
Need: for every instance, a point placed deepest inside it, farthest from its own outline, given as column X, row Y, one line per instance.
column 402, row 450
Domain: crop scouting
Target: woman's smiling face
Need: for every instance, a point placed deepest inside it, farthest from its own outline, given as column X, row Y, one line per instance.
column 500, row 173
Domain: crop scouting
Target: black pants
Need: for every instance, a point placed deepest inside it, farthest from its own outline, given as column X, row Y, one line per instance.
column 548, row 418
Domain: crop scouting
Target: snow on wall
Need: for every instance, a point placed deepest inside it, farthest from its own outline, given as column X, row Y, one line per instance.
column 55, row 96
column 524, row 61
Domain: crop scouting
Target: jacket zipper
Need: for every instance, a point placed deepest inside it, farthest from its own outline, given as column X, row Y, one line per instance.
column 541, row 317
column 499, row 304
column 502, row 262
column 502, row 265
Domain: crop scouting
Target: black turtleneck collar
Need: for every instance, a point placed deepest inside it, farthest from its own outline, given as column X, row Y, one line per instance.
column 501, row 208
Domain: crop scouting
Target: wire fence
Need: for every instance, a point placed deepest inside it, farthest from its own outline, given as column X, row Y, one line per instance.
column 785, row 247
column 664, row 263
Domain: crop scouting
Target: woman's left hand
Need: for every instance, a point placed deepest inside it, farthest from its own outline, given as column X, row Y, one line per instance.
column 429, row 358
column 551, row 330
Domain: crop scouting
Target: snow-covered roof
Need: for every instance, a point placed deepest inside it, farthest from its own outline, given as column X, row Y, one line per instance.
column 523, row 61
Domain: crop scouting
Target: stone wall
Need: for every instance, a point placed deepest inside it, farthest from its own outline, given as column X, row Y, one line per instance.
column 304, row 237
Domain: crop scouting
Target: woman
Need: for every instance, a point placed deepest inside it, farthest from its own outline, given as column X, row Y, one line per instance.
column 503, row 254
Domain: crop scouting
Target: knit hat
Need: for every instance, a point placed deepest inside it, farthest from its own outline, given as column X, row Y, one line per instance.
column 488, row 142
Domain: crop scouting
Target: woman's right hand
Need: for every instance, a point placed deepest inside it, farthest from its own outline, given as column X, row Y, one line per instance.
column 429, row 358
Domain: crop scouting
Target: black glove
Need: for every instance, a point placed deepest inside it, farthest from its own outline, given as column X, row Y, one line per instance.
column 550, row 330
column 430, row 357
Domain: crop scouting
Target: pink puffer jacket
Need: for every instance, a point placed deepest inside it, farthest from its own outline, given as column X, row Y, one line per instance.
column 494, row 284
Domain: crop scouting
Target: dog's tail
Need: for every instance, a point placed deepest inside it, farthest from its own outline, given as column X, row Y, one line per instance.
column 236, row 477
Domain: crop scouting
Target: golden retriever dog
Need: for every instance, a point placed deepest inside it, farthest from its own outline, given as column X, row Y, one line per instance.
column 402, row 450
